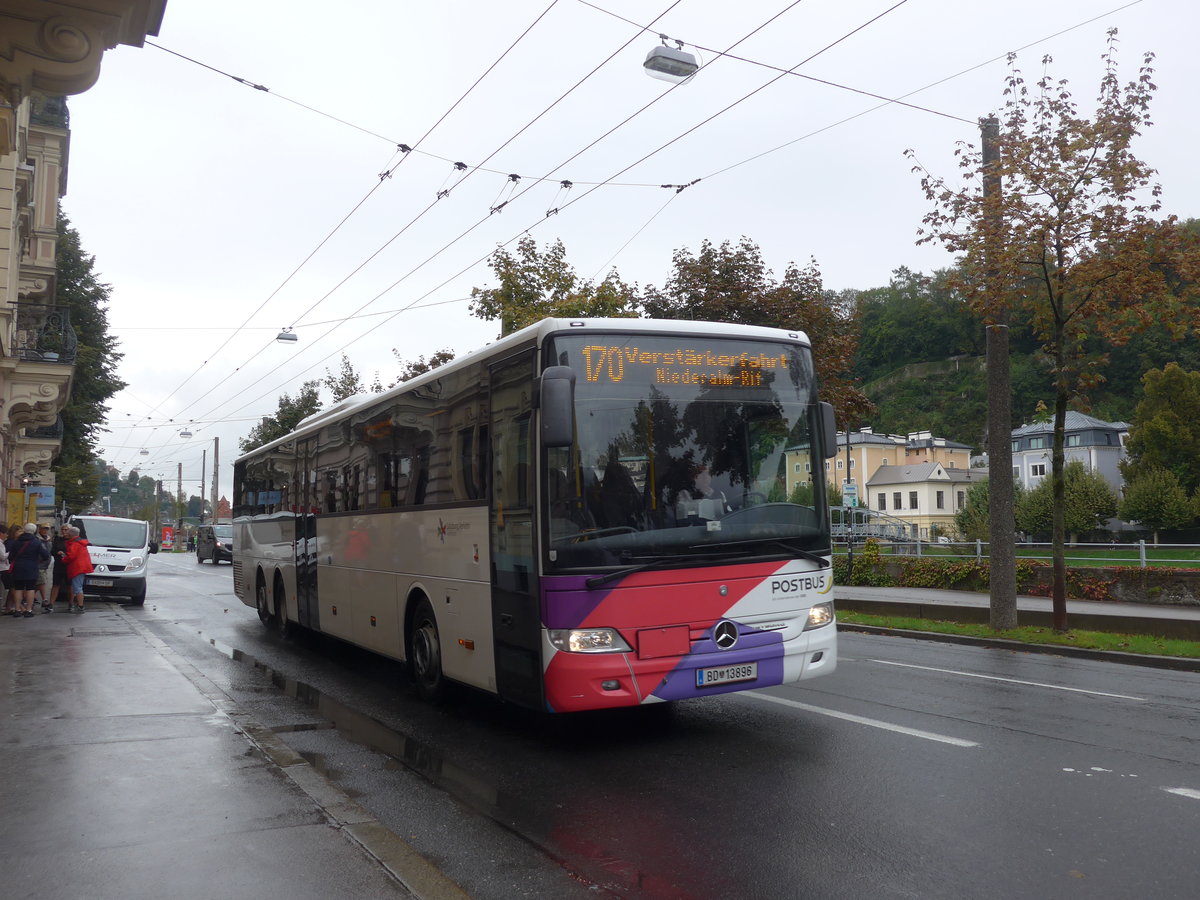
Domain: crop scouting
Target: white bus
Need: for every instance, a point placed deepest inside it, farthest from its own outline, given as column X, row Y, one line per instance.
column 585, row 514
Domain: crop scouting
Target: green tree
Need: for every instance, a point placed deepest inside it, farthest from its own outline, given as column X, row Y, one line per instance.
column 291, row 411
column 419, row 366
column 971, row 522
column 535, row 284
column 1165, row 432
column 346, row 383
column 732, row 283
column 1157, row 501
column 1089, row 502
column 1071, row 245
column 95, row 380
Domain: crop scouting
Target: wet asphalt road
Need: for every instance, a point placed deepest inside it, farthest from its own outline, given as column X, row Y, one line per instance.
column 917, row 770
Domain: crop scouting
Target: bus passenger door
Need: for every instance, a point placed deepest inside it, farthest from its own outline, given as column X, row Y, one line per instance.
column 516, row 613
column 307, row 607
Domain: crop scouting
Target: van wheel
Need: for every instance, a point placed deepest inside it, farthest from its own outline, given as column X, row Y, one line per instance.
column 262, row 604
column 425, row 654
column 139, row 599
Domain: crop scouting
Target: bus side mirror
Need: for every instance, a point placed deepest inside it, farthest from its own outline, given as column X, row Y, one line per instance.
column 829, row 429
column 557, row 402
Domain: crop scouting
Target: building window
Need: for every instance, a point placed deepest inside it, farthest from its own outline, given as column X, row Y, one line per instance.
column 1074, row 440
column 1016, row 472
column 852, row 463
column 839, row 463
column 1014, row 446
column 1038, row 470
column 961, row 499
column 808, row 467
column 885, row 462
column 896, row 500
column 912, row 499
column 797, row 468
column 883, row 501
column 941, row 499
column 1037, row 443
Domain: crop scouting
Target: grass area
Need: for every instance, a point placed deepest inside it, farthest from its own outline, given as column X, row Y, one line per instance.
column 1122, row 555
column 1092, row 640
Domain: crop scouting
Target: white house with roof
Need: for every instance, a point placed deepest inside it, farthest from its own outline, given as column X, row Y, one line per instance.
column 927, row 494
column 1099, row 445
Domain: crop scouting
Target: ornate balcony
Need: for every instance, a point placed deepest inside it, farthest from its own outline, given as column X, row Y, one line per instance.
column 44, row 334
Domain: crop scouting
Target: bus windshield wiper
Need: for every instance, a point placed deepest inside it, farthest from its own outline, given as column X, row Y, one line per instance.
column 774, row 542
column 600, row 580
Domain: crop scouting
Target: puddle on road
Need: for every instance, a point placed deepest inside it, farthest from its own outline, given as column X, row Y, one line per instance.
column 403, row 751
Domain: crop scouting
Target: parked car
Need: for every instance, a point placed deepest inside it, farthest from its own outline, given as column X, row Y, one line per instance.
column 214, row 543
column 120, row 550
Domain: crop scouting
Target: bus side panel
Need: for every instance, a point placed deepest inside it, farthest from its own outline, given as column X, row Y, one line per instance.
column 668, row 620
column 264, row 545
column 370, row 565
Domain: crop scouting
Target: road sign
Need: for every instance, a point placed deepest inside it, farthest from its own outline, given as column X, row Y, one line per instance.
column 849, row 494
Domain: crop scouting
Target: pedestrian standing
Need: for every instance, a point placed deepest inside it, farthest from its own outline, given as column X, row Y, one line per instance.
column 79, row 564
column 25, row 555
column 5, row 573
column 43, row 587
column 59, row 583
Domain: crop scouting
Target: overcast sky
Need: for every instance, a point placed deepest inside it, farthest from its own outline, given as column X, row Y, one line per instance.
column 204, row 199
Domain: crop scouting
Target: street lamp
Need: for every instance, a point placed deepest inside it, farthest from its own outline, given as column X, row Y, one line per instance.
column 673, row 64
column 287, row 336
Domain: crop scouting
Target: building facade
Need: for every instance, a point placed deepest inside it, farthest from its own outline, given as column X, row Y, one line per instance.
column 47, row 49
column 1099, row 445
column 925, row 494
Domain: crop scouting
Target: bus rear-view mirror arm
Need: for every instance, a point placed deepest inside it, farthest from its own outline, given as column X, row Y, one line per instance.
column 829, row 428
column 556, row 399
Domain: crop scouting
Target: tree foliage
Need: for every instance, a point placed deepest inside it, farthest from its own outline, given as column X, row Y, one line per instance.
column 535, row 284
column 95, row 380
column 347, row 382
column 1157, row 501
column 291, row 411
column 732, row 283
column 1165, row 432
column 1089, row 502
column 412, row 368
column 1071, row 245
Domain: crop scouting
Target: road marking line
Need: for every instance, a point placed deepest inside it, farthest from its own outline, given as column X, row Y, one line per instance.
column 861, row 720
column 1055, row 687
column 1184, row 792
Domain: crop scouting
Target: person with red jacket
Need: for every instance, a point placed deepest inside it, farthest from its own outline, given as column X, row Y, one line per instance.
column 79, row 563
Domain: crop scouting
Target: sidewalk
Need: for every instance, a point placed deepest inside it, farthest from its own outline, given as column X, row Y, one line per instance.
column 130, row 775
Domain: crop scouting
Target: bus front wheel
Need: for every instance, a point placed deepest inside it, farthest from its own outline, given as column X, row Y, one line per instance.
column 426, row 653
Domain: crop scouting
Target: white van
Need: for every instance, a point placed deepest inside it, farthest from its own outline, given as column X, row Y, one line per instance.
column 120, row 550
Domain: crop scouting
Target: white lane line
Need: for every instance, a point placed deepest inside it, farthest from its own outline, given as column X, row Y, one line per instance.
column 861, row 720
column 1055, row 687
column 1184, row 792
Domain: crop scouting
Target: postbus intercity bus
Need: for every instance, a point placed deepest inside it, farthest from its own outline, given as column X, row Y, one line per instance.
column 584, row 514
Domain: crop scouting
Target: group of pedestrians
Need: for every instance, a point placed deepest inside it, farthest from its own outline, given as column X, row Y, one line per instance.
column 32, row 562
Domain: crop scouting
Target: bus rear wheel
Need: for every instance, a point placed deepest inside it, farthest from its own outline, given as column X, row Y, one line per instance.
column 263, row 604
column 425, row 653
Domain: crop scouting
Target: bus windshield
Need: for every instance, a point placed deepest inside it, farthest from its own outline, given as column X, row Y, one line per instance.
column 690, row 449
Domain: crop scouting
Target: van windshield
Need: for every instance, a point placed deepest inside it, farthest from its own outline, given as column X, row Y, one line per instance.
column 115, row 533
column 223, row 532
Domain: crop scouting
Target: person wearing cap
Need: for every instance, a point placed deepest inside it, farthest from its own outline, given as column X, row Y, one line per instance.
column 43, row 585
column 26, row 554
column 79, row 563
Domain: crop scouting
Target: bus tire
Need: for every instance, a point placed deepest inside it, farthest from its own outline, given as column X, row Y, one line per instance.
column 282, row 624
column 262, row 603
column 425, row 653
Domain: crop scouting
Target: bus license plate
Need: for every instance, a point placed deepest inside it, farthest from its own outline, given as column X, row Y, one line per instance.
column 727, row 674
column 100, row 582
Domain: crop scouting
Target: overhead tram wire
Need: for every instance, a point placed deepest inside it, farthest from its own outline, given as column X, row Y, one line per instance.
column 474, row 169
column 593, row 188
column 483, row 219
column 369, row 193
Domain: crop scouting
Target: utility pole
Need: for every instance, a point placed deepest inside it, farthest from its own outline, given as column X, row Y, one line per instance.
column 849, row 514
column 216, row 480
column 178, row 494
column 1002, row 565
column 203, row 476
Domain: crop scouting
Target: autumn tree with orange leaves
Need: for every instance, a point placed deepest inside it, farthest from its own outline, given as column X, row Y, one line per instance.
column 1072, row 245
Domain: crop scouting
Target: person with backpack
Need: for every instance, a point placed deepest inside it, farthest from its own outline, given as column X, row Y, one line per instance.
column 25, row 554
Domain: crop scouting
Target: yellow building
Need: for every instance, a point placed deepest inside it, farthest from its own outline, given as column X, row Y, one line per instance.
column 47, row 49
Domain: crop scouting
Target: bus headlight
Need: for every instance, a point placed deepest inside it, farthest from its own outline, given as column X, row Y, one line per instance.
column 820, row 614
column 588, row 640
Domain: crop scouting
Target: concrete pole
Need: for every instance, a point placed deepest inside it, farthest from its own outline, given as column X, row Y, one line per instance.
column 216, row 476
